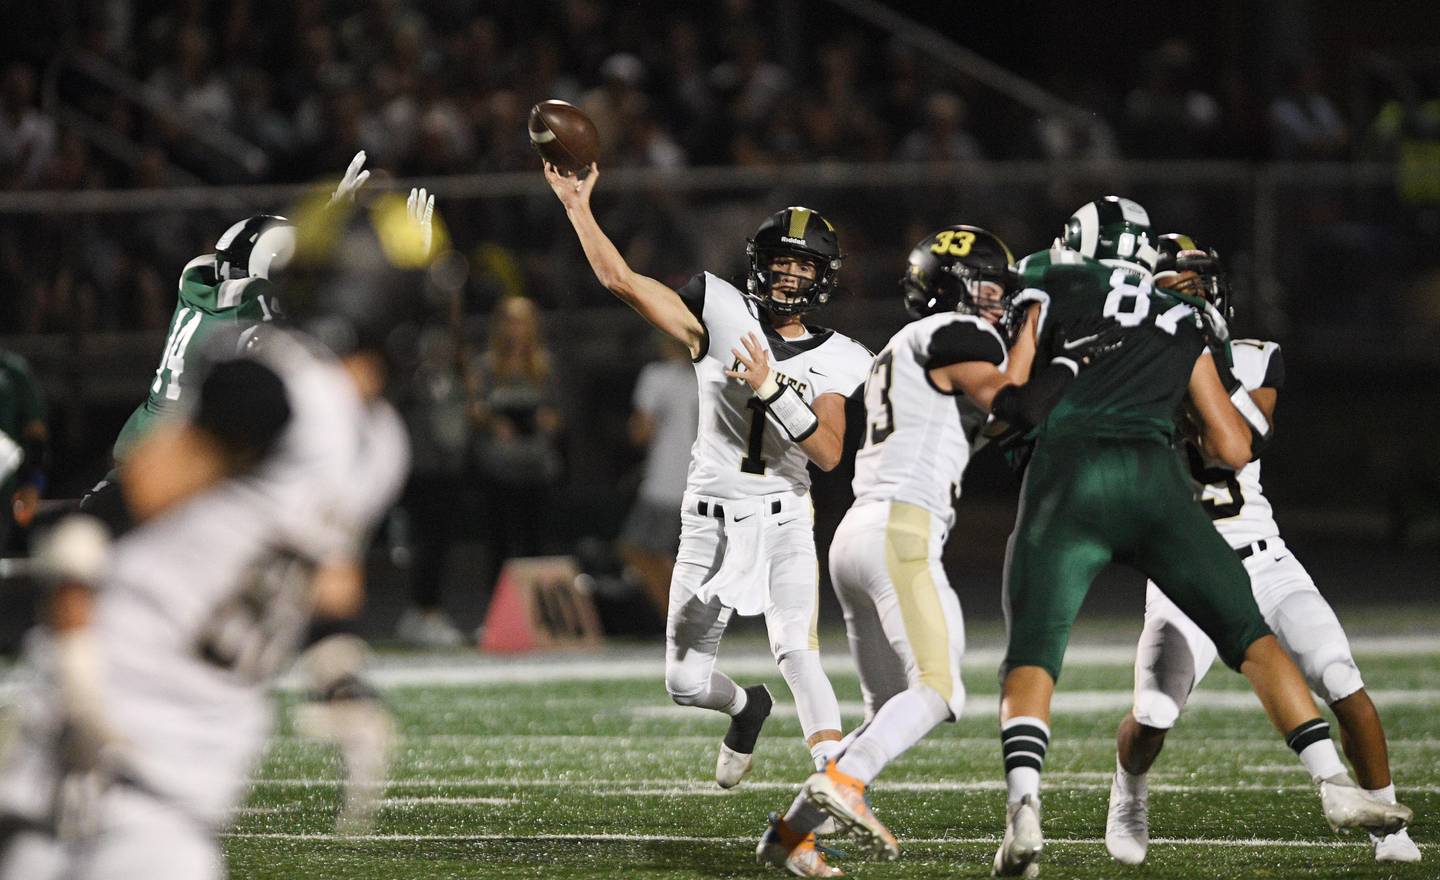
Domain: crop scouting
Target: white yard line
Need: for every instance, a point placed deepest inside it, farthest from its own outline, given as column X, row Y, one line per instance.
column 1078, row 781
column 631, row 664
column 665, row 838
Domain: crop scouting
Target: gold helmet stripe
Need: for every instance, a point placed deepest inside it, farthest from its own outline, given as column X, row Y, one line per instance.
column 799, row 219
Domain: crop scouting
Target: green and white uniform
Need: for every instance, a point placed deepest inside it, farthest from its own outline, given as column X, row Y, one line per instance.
column 1105, row 482
column 206, row 305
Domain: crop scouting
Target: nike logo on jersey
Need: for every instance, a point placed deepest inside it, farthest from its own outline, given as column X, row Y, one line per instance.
column 743, row 518
column 816, row 372
column 1073, row 344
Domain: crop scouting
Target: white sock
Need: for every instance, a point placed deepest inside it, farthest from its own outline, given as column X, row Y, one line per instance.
column 721, row 685
column 1386, row 794
column 1132, row 784
column 901, row 723
column 824, row 750
column 1024, row 740
column 815, row 701
column 1312, row 742
column 804, row 816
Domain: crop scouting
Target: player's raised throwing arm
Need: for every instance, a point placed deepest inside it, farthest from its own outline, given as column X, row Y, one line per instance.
column 655, row 302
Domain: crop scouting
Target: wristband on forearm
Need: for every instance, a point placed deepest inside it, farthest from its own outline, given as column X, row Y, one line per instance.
column 788, row 408
column 1260, row 428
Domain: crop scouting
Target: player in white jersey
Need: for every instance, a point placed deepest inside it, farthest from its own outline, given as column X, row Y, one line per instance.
column 1174, row 654
column 929, row 394
column 772, row 400
column 151, row 705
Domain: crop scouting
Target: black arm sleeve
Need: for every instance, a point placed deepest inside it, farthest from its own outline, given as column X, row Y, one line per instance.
column 961, row 341
column 243, row 404
column 1025, row 406
column 693, row 295
column 1274, row 372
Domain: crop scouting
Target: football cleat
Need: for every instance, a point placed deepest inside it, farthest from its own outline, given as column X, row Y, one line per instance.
column 1347, row 805
column 1019, row 852
column 843, row 797
column 1397, row 847
column 795, row 852
column 364, row 732
column 737, row 751
column 1127, row 826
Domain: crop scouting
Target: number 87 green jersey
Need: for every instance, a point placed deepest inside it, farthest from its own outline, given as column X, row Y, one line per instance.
column 206, row 304
column 1136, row 391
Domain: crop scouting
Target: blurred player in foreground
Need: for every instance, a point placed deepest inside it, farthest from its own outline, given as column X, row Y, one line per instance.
column 747, row 541
column 1174, row 654
column 930, row 391
column 151, row 704
column 1104, row 483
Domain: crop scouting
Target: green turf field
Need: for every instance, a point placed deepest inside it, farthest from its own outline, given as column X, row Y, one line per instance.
column 581, row 767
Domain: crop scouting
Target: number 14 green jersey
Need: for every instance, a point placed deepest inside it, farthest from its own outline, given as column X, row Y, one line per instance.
column 206, row 304
column 1136, row 391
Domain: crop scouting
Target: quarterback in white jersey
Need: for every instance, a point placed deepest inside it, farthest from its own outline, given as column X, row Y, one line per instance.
column 1174, row 655
column 772, row 395
column 151, row 703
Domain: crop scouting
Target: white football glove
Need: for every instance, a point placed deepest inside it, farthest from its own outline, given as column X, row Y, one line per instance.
column 421, row 208
column 352, row 181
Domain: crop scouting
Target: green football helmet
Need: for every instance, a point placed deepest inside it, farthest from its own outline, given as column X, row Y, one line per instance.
column 1113, row 230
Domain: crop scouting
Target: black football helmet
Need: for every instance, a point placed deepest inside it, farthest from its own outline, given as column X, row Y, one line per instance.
column 1181, row 253
column 249, row 248
column 1114, row 231
column 947, row 267
column 797, row 232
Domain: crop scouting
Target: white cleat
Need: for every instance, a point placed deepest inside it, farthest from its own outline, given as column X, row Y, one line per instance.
column 1397, row 847
column 732, row 766
column 828, row 828
column 1127, row 827
column 1019, row 852
column 1347, row 805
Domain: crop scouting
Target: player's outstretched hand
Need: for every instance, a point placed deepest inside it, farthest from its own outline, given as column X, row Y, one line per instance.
column 571, row 190
column 755, row 361
column 1089, row 342
column 354, row 178
column 420, row 208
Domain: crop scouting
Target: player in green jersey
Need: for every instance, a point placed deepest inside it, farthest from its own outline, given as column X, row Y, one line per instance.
column 220, row 296
column 1104, row 483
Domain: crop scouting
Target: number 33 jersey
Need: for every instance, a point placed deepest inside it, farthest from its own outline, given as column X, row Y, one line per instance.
column 739, row 451
column 918, row 439
column 1235, row 499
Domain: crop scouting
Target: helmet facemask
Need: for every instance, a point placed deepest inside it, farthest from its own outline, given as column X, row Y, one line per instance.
column 795, row 234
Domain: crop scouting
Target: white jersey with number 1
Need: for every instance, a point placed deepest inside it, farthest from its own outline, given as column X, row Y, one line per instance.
column 739, row 451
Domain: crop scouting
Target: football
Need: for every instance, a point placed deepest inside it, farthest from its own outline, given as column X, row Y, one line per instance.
column 564, row 136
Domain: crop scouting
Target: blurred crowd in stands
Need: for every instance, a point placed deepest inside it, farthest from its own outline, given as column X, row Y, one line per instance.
column 105, row 94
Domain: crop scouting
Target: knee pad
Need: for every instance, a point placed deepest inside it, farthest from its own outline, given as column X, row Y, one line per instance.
column 1337, row 678
column 688, row 680
column 1154, row 708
